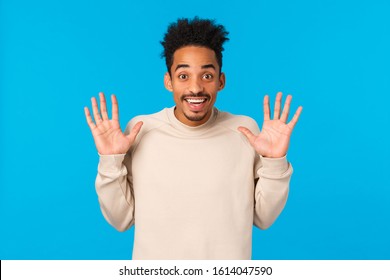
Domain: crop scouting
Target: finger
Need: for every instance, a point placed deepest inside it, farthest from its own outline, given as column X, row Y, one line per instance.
column 266, row 108
column 90, row 122
column 286, row 109
column 277, row 106
column 295, row 118
column 103, row 106
column 248, row 134
column 134, row 132
column 95, row 110
column 115, row 108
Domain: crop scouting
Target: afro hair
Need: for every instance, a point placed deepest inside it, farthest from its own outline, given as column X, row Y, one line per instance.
column 194, row 32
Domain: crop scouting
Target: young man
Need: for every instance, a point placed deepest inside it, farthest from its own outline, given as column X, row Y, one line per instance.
column 192, row 179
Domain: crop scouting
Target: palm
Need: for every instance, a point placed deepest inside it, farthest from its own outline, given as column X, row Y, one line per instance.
column 109, row 138
column 274, row 138
column 107, row 134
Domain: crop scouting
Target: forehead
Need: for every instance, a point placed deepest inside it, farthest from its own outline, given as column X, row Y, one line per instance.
column 194, row 56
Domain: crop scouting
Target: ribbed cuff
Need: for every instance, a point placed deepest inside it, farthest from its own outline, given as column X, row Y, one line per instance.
column 111, row 162
column 274, row 166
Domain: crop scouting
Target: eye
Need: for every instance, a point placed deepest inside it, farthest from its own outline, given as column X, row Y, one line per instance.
column 182, row 76
column 208, row 76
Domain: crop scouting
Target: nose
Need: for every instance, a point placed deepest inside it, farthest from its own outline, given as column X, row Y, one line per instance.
column 195, row 86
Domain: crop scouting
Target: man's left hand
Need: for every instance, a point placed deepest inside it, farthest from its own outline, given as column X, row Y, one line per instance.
column 274, row 137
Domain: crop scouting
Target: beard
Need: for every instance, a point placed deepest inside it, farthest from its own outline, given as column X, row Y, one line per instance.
column 196, row 117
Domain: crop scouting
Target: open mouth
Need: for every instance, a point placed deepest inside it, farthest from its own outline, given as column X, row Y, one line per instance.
column 196, row 104
column 196, row 101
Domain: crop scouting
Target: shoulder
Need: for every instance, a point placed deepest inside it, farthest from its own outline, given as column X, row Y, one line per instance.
column 150, row 122
column 232, row 122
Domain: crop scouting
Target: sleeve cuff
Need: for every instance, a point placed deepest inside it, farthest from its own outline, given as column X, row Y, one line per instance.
column 274, row 166
column 111, row 162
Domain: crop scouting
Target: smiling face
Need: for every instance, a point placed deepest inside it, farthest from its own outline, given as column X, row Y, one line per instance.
column 194, row 81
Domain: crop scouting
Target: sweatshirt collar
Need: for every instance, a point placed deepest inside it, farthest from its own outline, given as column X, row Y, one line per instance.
column 191, row 129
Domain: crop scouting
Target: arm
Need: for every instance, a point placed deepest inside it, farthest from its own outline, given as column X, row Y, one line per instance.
column 271, row 190
column 273, row 170
column 113, row 182
column 115, row 191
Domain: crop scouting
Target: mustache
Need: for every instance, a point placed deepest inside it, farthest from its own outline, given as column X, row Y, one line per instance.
column 201, row 94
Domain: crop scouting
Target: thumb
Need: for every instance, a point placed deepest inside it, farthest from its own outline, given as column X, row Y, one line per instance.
column 134, row 132
column 248, row 134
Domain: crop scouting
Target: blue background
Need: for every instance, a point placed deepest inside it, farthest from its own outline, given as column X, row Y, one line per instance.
column 332, row 56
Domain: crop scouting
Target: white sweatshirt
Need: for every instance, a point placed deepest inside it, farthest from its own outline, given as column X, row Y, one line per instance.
column 192, row 192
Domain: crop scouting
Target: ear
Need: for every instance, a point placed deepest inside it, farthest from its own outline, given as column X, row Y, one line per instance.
column 168, row 81
column 222, row 81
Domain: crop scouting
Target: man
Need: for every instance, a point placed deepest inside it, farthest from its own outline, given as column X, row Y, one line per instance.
column 193, row 180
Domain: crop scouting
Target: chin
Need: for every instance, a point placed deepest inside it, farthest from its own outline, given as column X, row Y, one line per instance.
column 196, row 117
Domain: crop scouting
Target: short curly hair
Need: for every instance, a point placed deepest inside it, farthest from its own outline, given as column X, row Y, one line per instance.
column 194, row 32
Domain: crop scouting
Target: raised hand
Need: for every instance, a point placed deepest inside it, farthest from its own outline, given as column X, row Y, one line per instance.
column 107, row 134
column 274, row 137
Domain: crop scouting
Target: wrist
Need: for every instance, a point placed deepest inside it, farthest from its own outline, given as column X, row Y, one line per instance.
column 274, row 165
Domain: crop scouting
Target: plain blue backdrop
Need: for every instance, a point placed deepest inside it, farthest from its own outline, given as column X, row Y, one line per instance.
column 332, row 56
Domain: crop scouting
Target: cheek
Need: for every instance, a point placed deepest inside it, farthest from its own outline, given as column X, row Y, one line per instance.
column 176, row 95
column 177, row 90
column 177, row 87
column 213, row 89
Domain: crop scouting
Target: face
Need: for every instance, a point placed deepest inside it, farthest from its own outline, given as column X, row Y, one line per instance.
column 194, row 81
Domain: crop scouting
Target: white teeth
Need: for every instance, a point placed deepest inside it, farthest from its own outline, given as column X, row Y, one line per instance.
column 196, row 100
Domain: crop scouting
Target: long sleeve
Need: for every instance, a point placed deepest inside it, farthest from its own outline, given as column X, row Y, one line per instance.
column 190, row 190
column 115, row 191
column 271, row 190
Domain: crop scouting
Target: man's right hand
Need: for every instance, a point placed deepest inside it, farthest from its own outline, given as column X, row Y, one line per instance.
column 109, row 139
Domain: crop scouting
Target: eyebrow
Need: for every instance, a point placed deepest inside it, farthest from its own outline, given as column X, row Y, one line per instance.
column 188, row 66
column 208, row 66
